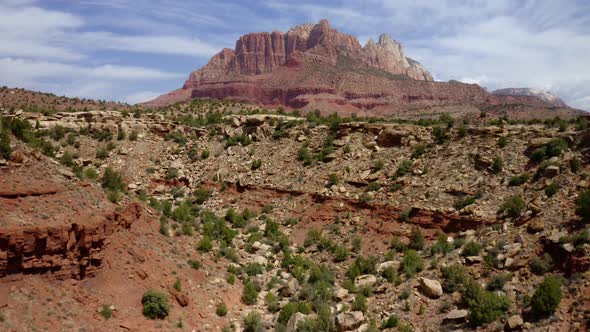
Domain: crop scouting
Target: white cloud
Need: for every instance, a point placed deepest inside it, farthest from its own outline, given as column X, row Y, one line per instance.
column 145, row 44
column 140, row 97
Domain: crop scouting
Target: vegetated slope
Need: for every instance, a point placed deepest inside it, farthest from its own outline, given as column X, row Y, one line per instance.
column 360, row 223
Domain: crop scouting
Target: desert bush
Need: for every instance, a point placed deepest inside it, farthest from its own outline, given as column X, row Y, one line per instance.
column 547, row 296
column 106, row 311
column 471, row 249
column 133, row 135
column 253, row 322
column 102, row 153
column 442, row 245
column 362, row 266
column 551, row 189
column 411, row 263
column 540, row 265
column 419, row 150
column 378, row 165
column 155, row 304
column 502, row 142
column 205, row 245
column 513, row 207
column 292, row 308
column 484, row 306
column 249, row 294
column 497, row 164
column 454, row 276
column 341, row 253
column 391, row 322
column 221, row 309
column 519, row 179
column 416, row 239
column 195, row 265
column 404, row 168
column 373, row 186
column 112, row 180
column 575, row 165
column 5, row 150
column 440, row 134
column 332, row 179
column 583, row 205
column 359, row 303
column 256, row 164
column 498, row 281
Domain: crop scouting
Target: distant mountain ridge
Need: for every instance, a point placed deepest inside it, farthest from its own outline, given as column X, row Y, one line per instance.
column 543, row 95
column 315, row 67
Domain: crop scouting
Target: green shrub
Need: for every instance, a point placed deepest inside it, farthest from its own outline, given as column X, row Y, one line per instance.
column 177, row 285
column 519, row 180
column 540, row 265
column 462, row 131
column 502, row 142
column 575, row 165
column 442, row 245
column 419, row 150
column 155, row 304
column 539, row 154
column 551, row 189
column 201, row 195
column 194, row 264
column 583, row 205
column 332, row 179
column 412, row 263
column 292, row 308
column 391, row 322
column 404, row 168
column 378, row 165
column 373, row 186
column 484, row 306
column 112, row 180
column 471, row 249
column 341, row 253
column 221, row 309
column 171, row 173
column 416, row 239
column 249, row 294
column 5, row 150
column 357, row 243
column 256, row 164
column 106, row 311
column 361, row 266
column 440, row 134
column 390, row 275
column 547, row 296
column 359, row 303
column 205, row 245
column 454, row 276
column 133, row 136
column 253, row 269
column 253, row 322
column 498, row 164
column 121, row 134
column 102, row 153
column 497, row 281
column 513, row 207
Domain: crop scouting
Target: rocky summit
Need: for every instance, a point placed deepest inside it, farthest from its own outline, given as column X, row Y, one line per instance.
column 222, row 216
column 316, row 67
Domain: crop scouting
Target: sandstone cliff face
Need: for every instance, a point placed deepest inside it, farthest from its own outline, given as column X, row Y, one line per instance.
column 259, row 53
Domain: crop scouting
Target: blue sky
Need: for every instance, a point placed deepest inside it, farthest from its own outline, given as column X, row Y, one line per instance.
column 135, row 50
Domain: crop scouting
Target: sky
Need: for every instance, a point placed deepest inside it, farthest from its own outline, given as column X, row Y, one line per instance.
column 134, row 50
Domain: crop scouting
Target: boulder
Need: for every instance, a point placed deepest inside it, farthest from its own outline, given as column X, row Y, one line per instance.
column 349, row 320
column 390, row 137
column 456, row 315
column 430, row 288
column 385, row 265
column 365, row 280
column 514, row 323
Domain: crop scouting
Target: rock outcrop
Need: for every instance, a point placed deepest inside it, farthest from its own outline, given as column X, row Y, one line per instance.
column 544, row 96
column 316, row 67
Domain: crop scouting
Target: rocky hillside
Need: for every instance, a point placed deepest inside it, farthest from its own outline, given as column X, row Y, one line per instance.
column 545, row 96
column 207, row 218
